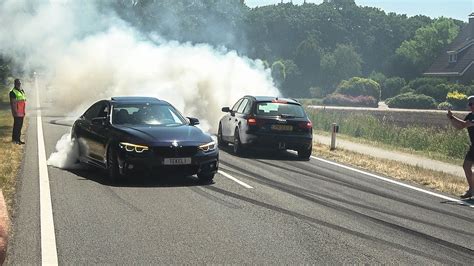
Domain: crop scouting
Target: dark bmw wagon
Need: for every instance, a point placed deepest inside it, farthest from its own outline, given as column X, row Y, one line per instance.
column 126, row 134
column 267, row 122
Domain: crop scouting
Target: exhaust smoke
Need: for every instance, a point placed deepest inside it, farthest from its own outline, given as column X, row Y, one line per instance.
column 85, row 55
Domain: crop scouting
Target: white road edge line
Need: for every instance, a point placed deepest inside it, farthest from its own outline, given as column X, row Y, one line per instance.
column 396, row 182
column 49, row 255
column 234, row 179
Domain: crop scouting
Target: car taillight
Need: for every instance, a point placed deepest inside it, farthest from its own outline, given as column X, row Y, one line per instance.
column 251, row 121
column 306, row 125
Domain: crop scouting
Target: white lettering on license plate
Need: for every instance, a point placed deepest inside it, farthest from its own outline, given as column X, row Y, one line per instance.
column 177, row 161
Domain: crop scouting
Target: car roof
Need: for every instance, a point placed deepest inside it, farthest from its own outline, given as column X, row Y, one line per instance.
column 137, row 99
column 271, row 98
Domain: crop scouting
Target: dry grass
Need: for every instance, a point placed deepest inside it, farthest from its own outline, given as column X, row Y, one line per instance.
column 10, row 157
column 432, row 179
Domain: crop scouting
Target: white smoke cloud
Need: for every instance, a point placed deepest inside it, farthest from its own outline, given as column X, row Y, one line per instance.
column 86, row 56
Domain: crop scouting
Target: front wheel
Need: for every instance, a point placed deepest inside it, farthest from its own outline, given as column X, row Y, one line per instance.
column 220, row 139
column 113, row 166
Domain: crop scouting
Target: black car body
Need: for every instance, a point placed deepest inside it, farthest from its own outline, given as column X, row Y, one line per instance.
column 127, row 134
column 267, row 122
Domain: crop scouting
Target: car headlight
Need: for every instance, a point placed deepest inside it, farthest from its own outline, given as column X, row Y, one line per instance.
column 208, row 147
column 133, row 147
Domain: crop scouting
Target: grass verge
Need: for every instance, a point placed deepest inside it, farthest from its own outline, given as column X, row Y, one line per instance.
column 438, row 181
column 10, row 157
column 428, row 154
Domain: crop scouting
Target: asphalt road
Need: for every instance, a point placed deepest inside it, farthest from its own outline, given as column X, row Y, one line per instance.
column 298, row 212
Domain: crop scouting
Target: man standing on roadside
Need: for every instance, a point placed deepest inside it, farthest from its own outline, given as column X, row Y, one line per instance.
column 468, row 123
column 4, row 225
column 18, row 106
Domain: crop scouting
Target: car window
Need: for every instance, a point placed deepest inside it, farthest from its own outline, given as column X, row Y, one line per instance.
column 242, row 106
column 236, row 105
column 146, row 114
column 248, row 108
column 280, row 109
column 94, row 110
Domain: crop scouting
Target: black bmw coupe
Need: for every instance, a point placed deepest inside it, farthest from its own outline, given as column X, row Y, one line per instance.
column 128, row 134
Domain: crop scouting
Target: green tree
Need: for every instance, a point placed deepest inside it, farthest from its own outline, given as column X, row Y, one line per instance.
column 308, row 59
column 427, row 43
column 341, row 64
column 278, row 72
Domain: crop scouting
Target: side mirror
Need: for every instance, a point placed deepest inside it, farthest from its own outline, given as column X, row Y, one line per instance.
column 99, row 121
column 193, row 121
column 225, row 109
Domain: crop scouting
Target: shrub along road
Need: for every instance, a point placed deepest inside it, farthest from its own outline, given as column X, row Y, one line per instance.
column 296, row 212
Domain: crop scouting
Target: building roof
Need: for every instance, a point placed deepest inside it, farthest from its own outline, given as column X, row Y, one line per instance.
column 463, row 46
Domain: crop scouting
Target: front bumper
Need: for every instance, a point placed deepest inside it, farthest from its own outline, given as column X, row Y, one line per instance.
column 152, row 163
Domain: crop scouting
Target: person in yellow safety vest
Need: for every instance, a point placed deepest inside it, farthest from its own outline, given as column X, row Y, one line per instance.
column 18, row 106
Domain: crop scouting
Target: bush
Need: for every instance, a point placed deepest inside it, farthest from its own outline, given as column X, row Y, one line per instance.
column 445, row 106
column 406, row 89
column 457, row 99
column 419, row 82
column 411, row 101
column 357, row 86
column 347, row 100
column 392, row 87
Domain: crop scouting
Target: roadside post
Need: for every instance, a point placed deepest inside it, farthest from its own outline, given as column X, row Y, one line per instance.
column 334, row 129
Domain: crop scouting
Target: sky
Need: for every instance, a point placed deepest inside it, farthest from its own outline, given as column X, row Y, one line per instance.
column 458, row 9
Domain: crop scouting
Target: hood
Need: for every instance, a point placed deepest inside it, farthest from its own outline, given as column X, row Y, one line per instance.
column 162, row 135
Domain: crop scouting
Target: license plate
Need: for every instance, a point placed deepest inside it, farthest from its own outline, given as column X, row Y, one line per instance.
column 282, row 127
column 177, row 161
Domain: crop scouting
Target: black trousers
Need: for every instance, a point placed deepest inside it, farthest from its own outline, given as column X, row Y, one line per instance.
column 17, row 125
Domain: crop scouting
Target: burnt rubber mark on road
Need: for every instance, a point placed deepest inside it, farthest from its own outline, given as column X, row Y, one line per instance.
column 309, row 196
column 330, row 177
column 201, row 192
column 371, row 208
column 329, row 225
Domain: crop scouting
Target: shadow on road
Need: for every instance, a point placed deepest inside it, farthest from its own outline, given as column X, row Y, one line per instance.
column 139, row 180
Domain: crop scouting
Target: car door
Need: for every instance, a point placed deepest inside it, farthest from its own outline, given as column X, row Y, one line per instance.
column 240, row 119
column 83, row 128
column 228, row 124
column 99, row 134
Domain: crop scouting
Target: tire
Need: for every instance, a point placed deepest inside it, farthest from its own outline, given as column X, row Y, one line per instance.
column 305, row 154
column 113, row 166
column 206, row 178
column 220, row 139
column 238, row 149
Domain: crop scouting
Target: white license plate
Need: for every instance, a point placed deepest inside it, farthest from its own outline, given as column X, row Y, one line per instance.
column 282, row 127
column 177, row 161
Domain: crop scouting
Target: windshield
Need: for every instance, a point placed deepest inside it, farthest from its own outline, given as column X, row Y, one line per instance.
column 280, row 109
column 146, row 114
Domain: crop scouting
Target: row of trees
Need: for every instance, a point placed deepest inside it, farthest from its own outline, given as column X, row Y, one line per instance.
column 307, row 46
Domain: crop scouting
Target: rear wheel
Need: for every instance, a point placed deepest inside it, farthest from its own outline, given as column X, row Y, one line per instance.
column 113, row 166
column 220, row 139
column 238, row 149
column 305, row 153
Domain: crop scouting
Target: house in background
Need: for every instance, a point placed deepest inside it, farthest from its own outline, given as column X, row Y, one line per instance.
column 456, row 63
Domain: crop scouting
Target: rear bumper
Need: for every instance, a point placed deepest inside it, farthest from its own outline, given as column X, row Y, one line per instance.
column 205, row 163
column 275, row 141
